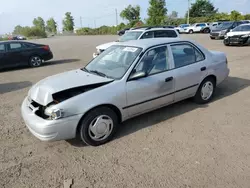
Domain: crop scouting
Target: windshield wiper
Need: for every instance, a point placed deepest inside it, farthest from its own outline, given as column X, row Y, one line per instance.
column 98, row 73
column 84, row 69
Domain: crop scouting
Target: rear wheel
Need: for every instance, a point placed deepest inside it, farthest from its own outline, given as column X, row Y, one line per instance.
column 98, row 126
column 191, row 31
column 35, row 61
column 206, row 91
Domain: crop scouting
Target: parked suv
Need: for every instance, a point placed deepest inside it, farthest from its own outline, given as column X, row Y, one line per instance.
column 195, row 28
column 141, row 33
column 220, row 31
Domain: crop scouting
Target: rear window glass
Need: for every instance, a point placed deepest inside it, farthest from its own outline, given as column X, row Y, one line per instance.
column 14, row 46
column 165, row 33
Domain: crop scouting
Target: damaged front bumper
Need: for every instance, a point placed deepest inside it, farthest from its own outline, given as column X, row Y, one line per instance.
column 49, row 130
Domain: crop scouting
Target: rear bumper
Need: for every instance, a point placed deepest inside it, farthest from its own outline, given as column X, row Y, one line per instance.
column 47, row 56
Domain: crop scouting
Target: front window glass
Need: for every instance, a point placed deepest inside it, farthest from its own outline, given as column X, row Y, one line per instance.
column 154, row 61
column 131, row 35
column 2, row 48
column 113, row 62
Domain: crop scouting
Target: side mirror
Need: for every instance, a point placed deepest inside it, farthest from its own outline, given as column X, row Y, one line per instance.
column 138, row 75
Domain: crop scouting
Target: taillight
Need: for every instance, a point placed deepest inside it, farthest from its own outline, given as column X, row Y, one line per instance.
column 46, row 47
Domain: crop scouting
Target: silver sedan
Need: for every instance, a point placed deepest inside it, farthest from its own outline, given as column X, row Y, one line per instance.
column 126, row 80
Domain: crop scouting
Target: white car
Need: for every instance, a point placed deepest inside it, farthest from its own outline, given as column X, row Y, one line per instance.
column 181, row 28
column 140, row 33
column 195, row 28
column 126, row 80
column 239, row 35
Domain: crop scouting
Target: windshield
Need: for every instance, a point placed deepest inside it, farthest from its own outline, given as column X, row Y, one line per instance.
column 113, row 62
column 242, row 28
column 225, row 25
column 131, row 35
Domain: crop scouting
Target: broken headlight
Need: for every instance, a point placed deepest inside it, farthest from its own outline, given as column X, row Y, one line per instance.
column 53, row 113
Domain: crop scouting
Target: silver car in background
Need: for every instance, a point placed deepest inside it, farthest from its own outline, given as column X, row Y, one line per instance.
column 126, row 80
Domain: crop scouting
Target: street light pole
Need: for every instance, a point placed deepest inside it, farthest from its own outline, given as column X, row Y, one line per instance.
column 188, row 12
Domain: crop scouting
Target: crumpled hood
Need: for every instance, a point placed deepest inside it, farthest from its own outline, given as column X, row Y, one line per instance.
column 105, row 46
column 42, row 91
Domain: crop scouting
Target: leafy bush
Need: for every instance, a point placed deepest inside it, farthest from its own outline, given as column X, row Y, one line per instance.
column 30, row 32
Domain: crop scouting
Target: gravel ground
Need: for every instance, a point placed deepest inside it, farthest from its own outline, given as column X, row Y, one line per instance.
column 181, row 146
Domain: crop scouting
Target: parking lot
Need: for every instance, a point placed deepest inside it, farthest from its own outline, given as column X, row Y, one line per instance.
column 184, row 145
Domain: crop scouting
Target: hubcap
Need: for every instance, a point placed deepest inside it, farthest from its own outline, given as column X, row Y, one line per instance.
column 100, row 128
column 36, row 61
column 207, row 90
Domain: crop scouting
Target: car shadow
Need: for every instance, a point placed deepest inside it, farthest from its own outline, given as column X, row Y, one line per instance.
column 47, row 63
column 229, row 87
column 14, row 86
column 62, row 61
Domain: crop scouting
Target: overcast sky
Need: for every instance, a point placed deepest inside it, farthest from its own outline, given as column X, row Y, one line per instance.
column 14, row 12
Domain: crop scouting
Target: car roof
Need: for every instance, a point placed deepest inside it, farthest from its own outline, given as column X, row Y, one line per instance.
column 150, row 29
column 147, row 43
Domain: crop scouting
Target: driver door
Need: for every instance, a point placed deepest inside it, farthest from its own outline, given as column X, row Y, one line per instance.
column 154, row 90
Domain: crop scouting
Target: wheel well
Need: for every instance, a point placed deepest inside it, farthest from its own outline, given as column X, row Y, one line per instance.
column 213, row 77
column 113, row 107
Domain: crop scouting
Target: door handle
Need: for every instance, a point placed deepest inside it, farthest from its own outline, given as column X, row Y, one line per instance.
column 203, row 68
column 169, row 79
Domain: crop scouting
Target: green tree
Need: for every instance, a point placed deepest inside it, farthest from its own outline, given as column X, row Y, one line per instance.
column 157, row 12
column 247, row 17
column 235, row 16
column 132, row 14
column 51, row 26
column 68, row 22
column 202, row 8
column 18, row 30
column 39, row 23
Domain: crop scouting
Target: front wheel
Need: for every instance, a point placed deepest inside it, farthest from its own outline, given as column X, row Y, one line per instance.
column 35, row 61
column 191, row 31
column 98, row 126
column 206, row 91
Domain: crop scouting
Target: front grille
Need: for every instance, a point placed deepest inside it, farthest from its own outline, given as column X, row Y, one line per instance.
column 40, row 111
column 214, row 34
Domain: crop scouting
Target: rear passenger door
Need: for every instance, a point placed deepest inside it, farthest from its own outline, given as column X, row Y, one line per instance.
column 190, row 68
column 148, row 35
column 165, row 33
column 3, row 60
column 16, row 54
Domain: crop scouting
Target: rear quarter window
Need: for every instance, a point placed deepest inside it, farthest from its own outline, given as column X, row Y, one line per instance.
column 165, row 33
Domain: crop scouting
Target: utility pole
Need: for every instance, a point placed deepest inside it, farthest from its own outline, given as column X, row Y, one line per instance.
column 188, row 12
column 81, row 21
column 94, row 23
column 116, row 15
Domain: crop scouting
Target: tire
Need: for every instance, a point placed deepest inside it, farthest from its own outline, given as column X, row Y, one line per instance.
column 206, row 30
column 208, row 82
column 35, row 61
column 108, row 120
column 226, row 43
column 212, row 38
column 191, row 31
